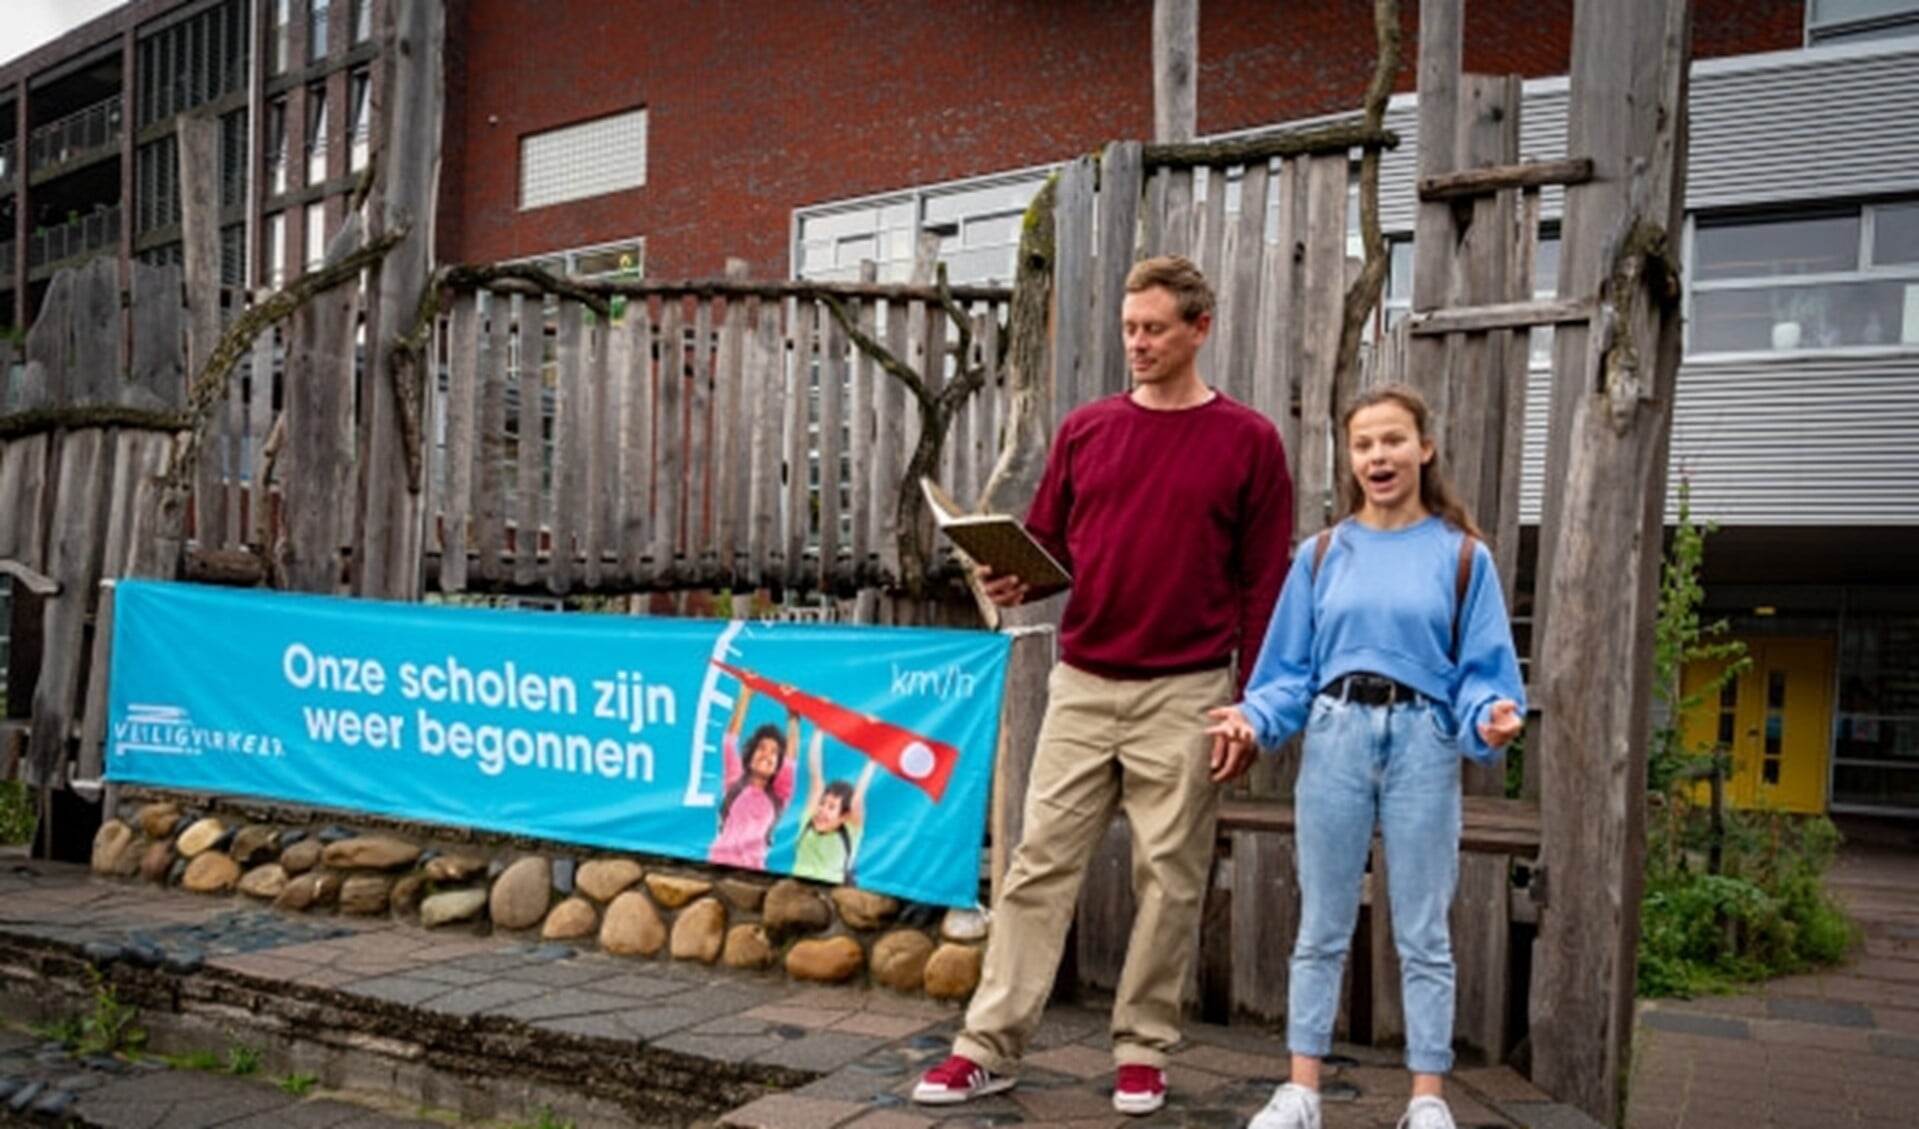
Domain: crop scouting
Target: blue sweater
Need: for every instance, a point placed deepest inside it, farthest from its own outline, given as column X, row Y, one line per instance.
column 1383, row 604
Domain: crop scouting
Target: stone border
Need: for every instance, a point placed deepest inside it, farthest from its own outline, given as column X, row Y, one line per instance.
column 625, row 905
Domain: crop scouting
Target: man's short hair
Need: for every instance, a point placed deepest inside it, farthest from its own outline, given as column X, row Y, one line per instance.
column 1177, row 274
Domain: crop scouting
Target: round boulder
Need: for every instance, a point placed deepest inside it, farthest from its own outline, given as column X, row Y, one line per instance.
column 952, row 972
column 829, row 960
column 899, row 959
column 570, row 920
column 200, row 838
column 522, row 893
column 632, row 926
column 211, row 873
column 700, row 932
column 605, row 879
column 109, row 843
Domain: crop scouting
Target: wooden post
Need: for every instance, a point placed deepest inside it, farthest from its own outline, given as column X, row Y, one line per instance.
column 200, row 248
column 1612, row 405
column 1026, row 672
column 1175, row 69
column 1441, row 36
column 391, row 529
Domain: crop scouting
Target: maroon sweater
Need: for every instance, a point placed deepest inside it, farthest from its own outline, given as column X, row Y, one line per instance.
column 1176, row 526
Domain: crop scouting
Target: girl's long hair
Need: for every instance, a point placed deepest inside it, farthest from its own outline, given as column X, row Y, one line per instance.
column 768, row 732
column 1435, row 493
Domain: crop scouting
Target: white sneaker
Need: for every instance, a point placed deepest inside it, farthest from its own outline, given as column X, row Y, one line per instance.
column 1292, row 1107
column 1427, row 1113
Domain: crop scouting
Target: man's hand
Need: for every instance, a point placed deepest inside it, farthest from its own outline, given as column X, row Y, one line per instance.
column 1502, row 725
column 1234, row 750
column 1006, row 591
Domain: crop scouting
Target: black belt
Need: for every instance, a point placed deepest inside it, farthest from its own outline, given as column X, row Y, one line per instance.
column 1370, row 690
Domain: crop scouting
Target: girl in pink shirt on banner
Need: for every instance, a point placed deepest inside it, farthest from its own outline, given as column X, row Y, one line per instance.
column 758, row 783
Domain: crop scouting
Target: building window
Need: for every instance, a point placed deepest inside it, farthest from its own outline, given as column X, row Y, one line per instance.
column 316, row 134
column 359, row 118
column 276, row 145
column 362, row 16
column 233, row 159
column 1846, row 21
column 277, row 52
column 316, row 235
column 1831, row 278
column 317, row 29
column 276, row 246
column 579, row 161
column 978, row 223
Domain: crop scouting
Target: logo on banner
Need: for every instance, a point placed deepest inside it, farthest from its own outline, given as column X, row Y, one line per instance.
column 164, row 730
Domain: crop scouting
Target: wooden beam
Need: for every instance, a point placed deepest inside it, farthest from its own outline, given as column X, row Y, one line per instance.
column 38, row 583
column 1526, row 174
column 1500, row 315
column 1340, row 137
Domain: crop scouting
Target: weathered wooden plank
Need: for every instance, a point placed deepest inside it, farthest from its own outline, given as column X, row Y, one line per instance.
column 1505, row 528
column 25, row 464
column 596, row 434
column 1106, row 909
column 319, row 485
column 1237, row 331
column 569, row 449
column 213, row 511
column 729, row 435
column 1024, row 708
column 1512, row 314
column 1209, row 222
column 1265, row 921
column 634, row 380
column 156, row 377
column 865, row 445
column 1490, row 824
column 1485, row 181
column 1175, row 69
column 766, row 375
column 670, row 451
column 699, row 445
column 1121, row 177
column 1482, row 952
column 462, row 390
column 1441, row 37
column 1072, row 349
column 803, row 326
column 833, row 570
column 260, row 419
column 1178, row 225
column 491, row 375
column 1322, row 293
column 1380, row 965
column 529, row 458
column 890, row 447
column 80, row 507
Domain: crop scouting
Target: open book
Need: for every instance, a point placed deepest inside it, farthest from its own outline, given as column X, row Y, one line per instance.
column 999, row 540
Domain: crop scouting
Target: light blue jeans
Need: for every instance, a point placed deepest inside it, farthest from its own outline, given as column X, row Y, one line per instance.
column 1397, row 766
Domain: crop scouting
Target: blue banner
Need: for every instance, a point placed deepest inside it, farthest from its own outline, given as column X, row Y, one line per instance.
column 834, row 752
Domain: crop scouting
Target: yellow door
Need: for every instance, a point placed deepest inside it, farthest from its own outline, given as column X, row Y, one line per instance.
column 1775, row 720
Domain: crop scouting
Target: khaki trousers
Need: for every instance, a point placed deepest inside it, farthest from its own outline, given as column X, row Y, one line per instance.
column 1138, row 747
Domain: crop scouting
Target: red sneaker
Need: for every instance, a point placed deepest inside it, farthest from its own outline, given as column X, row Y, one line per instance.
column 958, row 1079
column 1139, row 1088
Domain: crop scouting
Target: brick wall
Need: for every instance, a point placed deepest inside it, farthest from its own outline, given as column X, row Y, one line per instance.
column 759, row 106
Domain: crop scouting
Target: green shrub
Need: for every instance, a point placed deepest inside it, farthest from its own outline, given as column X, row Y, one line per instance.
column 16, row 813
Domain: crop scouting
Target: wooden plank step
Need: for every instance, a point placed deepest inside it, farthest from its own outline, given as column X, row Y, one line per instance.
column 1485, row 182
column 1491, row 824
column 1500, row 315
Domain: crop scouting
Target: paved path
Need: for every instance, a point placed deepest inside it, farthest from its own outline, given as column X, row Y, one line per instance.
column 494, row 1029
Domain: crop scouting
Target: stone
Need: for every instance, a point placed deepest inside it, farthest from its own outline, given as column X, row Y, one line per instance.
column 408, row 889
column 370, row 852
column 747, row 946
column 863, row 909
column 700, row 931
column 314, row 889
column 742, row 894
column 794, row 907
column 604, row 879
column 522, row 893
column 965, row 926
column 451, row 907
column 302, row 856
column 128, row 864
column 211, row 873
column 199, row 838
column 570, row 920
column 564, row 871
column 157, row 821
column 632, row 926
column 264, row 882
column 157, row 860
column 952, row 972
column 829, row 960
column 454, row 868
column 365, row 895
column 110, row 843
column 671, row 891
column 254, row 843
column 899, row 959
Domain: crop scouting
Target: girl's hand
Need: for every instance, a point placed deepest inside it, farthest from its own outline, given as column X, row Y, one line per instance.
column 1233, row 749
column 1502, row 724
column 1229, row 723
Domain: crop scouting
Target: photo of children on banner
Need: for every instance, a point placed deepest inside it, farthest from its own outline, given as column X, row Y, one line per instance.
column 832, row 821
column 757, row 785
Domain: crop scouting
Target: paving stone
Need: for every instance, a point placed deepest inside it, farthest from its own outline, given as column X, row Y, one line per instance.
column 1710, row 1025
column 1836, row 1013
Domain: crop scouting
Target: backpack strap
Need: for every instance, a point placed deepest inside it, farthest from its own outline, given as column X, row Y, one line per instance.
column 1320, row 544
column 1463, row 580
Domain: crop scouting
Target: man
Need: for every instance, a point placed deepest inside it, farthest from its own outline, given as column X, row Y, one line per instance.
column 1173, row 508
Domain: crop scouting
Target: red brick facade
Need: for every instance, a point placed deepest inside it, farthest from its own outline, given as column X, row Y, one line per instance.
column 756, row 107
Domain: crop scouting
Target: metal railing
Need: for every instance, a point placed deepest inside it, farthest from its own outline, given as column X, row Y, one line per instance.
column 91, row 232
column 77, row 135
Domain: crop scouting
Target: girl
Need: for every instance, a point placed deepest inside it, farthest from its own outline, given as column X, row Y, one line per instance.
column 1391, row 646
column 834, row 819
column 758, row 784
